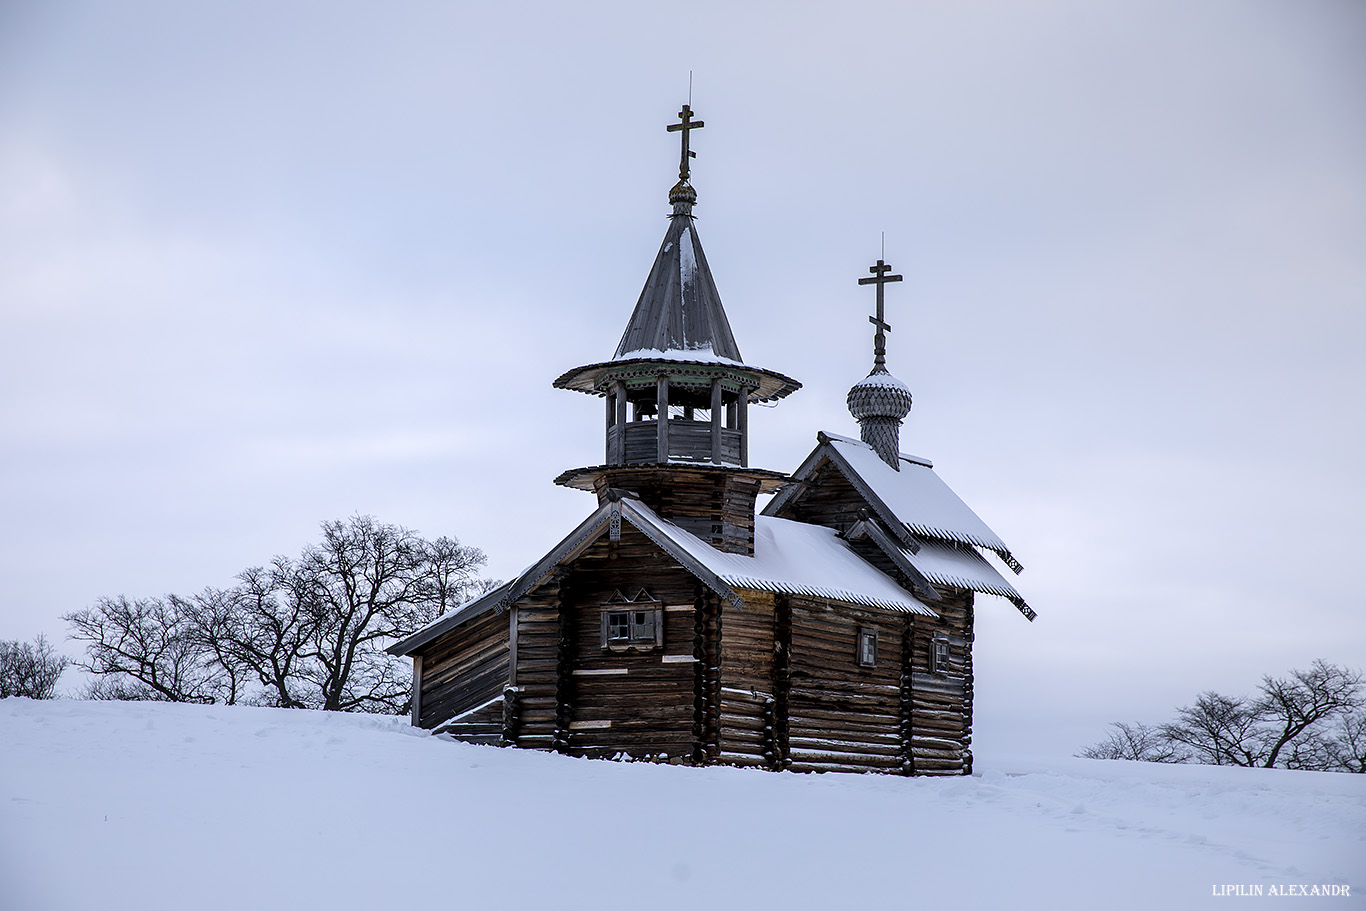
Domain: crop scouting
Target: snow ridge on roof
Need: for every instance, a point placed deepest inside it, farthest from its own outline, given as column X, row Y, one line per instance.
column 958, row 566
column 789, row 557
column 701, row 355
column 797, row 559
column 918, row 498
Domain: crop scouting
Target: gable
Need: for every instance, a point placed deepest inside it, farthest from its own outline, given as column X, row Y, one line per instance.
column 790, row 557
column 844, row 485
column 912, row 501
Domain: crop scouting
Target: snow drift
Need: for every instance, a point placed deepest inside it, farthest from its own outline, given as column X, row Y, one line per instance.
column 149, row 806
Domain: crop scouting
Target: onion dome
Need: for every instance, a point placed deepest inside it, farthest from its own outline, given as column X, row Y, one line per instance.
column 879, row 395
column 880, row 401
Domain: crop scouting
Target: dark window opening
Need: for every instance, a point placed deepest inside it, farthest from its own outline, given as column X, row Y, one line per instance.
column 618, row 626
column 633, row 628
column 867, row 647
column 939, row 656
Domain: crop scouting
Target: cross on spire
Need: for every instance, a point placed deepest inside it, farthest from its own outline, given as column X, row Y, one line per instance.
column 686, row 124
column 880, row 278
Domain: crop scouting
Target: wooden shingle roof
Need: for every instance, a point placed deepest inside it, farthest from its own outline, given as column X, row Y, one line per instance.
column 679, row 309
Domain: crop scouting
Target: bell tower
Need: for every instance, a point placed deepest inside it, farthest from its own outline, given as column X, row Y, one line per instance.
column 677, row 392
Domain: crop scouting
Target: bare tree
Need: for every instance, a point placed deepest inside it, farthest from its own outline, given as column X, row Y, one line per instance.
column 1312, row 719
column 1346, row 749
column 151, row 642
column 214, row 627
column 306, row 633
column 1141, row 742
column 271, row 631
column 367, row 584
column 30, row 669
column 1218, row 730
column 1290, row 706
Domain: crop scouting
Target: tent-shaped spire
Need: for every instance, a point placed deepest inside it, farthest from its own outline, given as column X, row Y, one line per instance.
column 680, row 309
column 678, row 321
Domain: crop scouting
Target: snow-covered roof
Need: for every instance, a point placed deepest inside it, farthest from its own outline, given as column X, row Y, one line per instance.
column 700, row 355
column 790, row 557
column 911, row 496
column 958, row 566
column 797, row 559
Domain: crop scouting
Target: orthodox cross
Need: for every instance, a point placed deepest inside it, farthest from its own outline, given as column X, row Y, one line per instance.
column 686, row 125
column 880, row 278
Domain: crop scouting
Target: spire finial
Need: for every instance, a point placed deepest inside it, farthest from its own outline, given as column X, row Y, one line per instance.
column 686, row 124
column 880, row 278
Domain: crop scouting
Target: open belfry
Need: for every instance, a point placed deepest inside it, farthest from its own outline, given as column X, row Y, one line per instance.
column 832, row 631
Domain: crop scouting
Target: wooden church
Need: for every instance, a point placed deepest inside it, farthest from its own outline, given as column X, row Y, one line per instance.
column 831, row 632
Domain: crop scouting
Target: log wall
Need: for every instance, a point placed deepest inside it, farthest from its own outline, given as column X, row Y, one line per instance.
column 775, row 683
column 717, row 506
column 746, row 688
column 826, row 498
column 464, row 669
column 941, row 701
column 587, row 700
column 537, row 663
column 843, row 716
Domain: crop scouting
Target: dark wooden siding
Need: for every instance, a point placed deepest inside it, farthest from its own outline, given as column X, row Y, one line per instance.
column 826, row 498
column 941, row 703
column 717, row 506
column 843, row 716
column 537, row 631
column 746, row 701
column 687, row 440
column 464, row 669
column 589, row 701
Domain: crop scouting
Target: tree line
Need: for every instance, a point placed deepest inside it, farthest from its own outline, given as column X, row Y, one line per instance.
column 297, row 633
column 1312, row 719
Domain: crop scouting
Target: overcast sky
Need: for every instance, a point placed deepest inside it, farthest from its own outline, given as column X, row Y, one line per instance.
column 266, row 264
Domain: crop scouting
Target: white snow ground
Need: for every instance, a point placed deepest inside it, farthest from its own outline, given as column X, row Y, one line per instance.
column 150, row 806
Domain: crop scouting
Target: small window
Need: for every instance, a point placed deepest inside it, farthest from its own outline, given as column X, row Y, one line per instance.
column 618, row 626
column 867, row 647
column 632, row 627
column 642, row 626
column 939, row 655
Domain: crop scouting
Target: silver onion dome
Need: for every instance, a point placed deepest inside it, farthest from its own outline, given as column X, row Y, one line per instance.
column 880, row 402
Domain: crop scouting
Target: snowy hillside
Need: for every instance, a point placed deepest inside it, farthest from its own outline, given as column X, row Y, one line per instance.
column 147, row 806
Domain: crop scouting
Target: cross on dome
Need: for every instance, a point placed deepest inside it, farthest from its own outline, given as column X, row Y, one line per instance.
column 686, row 125
column 880, row 278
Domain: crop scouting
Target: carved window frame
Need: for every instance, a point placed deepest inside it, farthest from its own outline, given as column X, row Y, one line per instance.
column 641, row 617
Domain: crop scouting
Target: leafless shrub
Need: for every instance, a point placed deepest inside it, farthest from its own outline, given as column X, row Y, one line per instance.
column 1140, row 742
column 29, row 669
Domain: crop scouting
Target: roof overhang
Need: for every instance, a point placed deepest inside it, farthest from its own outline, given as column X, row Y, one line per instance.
column 904, row 527
column 597, row 379
column 449, row 621
column 593, row 477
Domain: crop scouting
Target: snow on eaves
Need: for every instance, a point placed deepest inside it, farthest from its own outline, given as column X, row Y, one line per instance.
column 702, row 354
column 789, row 557
column 959, row 566
column 796, row 559
column 918, row 498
